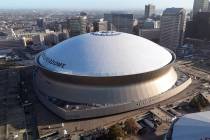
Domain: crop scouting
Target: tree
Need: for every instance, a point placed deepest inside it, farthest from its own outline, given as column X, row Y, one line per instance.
column 199, row 102
column 115, row 132
column 131, row 126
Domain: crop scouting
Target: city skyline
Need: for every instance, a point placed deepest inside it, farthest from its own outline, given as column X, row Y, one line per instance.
column 105, row 69
column 93, row 4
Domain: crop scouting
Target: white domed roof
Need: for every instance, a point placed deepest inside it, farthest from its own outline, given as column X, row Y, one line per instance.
column 104, row 54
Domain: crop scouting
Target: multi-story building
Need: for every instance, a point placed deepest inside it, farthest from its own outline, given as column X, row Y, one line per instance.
column 89, row 27
column 77, row 25
column 151, row 24
column 200, row 6
column 119, row 22
column 12, row 43
column 151, row 34
column 149, row 10
column 40, row 22
column 54, row 26
column 38, row 39
column 209, row 7
column 83, row 14
column 100, row 25
column 172, row 28
column 62, row 36
column 199, row 27
column 51, row 39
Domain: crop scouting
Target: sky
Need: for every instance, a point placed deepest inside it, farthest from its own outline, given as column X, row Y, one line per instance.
column 93, row 4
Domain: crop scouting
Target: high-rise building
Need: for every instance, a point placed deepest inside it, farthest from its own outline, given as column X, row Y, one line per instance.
column 151, row 24
column 40, row 22
column 83, row 14
column 54, row 26
column 62, row 36
column 119, row 22
column 151, row 34
column 173, row 22
column 100, row 25
column 38, row 39
column 209, row 7
column 200, row 6
column 51, row 39
column 189, row 29
column 89, row 27
column 199, row 27
column 77, row 25
column 149, row 10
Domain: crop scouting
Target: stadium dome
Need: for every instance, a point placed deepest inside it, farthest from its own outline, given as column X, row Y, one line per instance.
column 194, row 126
column 102, row 54
column 103, row 73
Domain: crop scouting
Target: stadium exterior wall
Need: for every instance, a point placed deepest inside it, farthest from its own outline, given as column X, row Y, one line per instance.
column 109, row 94
column 84, row 114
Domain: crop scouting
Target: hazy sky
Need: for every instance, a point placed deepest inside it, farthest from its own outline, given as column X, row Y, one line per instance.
column 93, row 4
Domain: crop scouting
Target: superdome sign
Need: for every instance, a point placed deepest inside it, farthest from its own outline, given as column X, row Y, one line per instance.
column 52, row 61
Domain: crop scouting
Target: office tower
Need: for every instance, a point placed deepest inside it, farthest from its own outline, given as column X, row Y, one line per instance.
column 149, row 10
column 40, row 22
column 199, row 27
column 89, row 27
column 51, row 39
column 151, row 34
column 100, row 25
column 119, row 22
column 173, row 22
column 200, row 6
column 38, row 40
column 54, row 26
column 136, row 27
column 77, row 25
column 189, row 29
column 151, row 24
column 62, row 36
column 209, row 7
column 83, row 14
